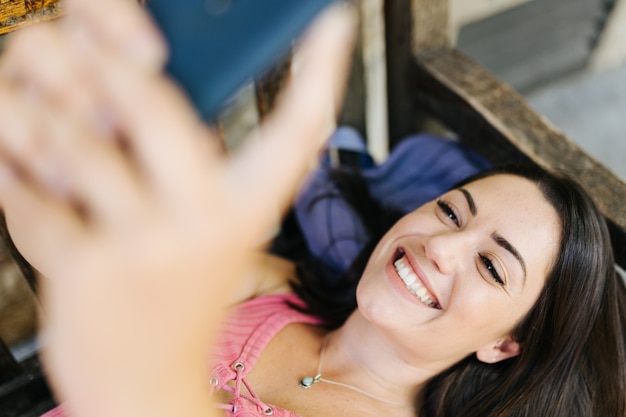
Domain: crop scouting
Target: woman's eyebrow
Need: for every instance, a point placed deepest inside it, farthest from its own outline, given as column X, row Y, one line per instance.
column 502, row 242
column 470, row 201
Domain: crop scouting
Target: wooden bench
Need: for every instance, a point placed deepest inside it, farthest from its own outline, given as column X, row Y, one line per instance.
column 428, row 79
column 17, row 13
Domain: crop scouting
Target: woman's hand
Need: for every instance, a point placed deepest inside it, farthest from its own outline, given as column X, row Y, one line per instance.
column 114, row 189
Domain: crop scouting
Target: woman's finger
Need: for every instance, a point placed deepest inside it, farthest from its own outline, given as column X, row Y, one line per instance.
column 272, row 165
column 23, row 141
column 164, row 134
column 123, row 25
column 51, row 133
column 63, row 78
column 94, row 172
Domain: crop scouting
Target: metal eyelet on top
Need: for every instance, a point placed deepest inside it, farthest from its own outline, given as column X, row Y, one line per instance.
column 268, row 411
column 239, row 366
column 214, row 381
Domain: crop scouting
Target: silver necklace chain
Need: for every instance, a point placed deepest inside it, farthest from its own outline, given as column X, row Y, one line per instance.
column 308, row 381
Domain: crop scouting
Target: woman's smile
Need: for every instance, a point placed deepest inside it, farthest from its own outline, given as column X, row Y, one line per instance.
column 414, row 279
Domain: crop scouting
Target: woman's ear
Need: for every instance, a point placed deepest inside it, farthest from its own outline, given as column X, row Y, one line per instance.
column 498, row 351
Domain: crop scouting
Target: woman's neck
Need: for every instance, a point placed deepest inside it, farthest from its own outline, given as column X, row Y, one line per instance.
column 361, row 355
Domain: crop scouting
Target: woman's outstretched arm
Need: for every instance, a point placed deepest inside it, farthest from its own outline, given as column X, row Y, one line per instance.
column 112, row 188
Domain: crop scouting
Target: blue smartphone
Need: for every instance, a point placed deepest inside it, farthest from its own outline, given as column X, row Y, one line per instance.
column 216, row 46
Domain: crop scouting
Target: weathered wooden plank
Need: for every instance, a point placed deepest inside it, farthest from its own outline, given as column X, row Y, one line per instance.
column 353, row 111
column 411, row 26
column 401, row 104
column 18, row 13
column 498, row 123
column 373, row 51
column 430, row 28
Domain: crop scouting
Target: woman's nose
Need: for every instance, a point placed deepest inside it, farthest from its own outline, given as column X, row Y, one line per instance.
column 446, row 251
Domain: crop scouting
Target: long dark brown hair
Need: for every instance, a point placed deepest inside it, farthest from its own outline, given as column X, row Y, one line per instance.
column 572, row 361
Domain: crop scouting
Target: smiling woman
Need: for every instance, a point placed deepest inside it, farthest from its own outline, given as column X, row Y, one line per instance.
column 559, row 366
column 499, row 298
column 480, row 291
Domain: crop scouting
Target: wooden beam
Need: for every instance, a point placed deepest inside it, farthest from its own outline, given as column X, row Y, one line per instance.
column 374, row 77
column 411, row 27
column 430, row 26
column 400, row 101
column 17, row 13
column 497, row 122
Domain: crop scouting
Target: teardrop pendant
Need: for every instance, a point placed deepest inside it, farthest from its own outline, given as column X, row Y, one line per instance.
column 308, row 381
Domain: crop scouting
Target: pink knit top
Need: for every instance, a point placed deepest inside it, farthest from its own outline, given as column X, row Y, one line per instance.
column 248, row 330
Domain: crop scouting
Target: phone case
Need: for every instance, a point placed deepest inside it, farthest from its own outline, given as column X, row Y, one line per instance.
column 216, row 46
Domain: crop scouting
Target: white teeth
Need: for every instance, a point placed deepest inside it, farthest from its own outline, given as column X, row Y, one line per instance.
column 408, row 277
column 404, row 272
column 421, row 292
column 412, row 283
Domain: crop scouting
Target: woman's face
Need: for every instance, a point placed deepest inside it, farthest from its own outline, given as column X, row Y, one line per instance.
column 456, row 275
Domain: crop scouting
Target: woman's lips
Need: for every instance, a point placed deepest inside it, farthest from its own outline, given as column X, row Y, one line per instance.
column 414, row 279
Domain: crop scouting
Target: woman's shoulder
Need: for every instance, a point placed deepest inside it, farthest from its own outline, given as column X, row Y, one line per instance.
column 268, row 274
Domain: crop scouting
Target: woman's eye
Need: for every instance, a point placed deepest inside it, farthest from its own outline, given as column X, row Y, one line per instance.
column 448, row 212
column 491, row 269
